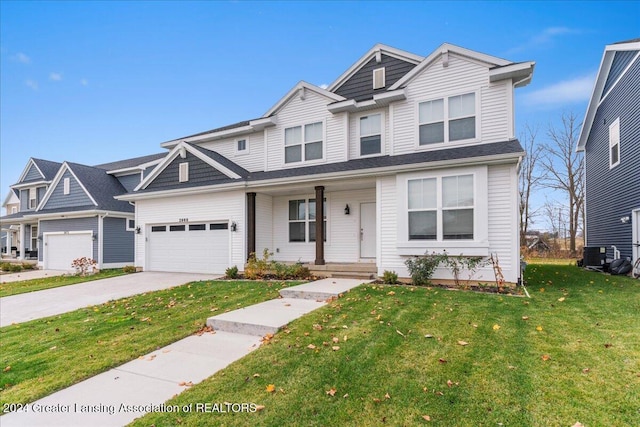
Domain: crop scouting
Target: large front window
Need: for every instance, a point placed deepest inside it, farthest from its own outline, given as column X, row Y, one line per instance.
column 302, row 220
column 441, row 208
column 303, row 143
column 447, row 119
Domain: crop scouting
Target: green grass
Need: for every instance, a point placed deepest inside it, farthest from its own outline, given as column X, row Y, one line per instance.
column 387, row 372
column 23, row 286
column 46, row 355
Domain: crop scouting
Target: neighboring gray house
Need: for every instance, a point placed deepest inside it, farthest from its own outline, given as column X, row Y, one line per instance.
column 610, row 140
column 68, row 211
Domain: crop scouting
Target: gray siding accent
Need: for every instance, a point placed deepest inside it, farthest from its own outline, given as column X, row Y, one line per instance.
column 360, row 85
column 613, row 193
column 76, row 196
column 129, row 182
column 199, row 172
column 32, row 174
column 117, row 242
column 72, row 224
column 620, row 61
column 40, row 193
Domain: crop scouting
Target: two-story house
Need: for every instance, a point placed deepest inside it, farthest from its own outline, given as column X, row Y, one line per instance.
column 610, row 140
column 402, row 155
column 68, row 211
column 9, row 236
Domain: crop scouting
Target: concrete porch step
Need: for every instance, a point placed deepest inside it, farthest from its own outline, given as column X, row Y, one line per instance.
column 346, row 270
column 322, row 290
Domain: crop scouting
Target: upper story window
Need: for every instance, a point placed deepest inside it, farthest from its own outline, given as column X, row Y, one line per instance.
column 66, row 184
column 614, row 143
column 447, row 119
column 33, row 197
column 183, row 173
column 303, row 143
column 242, row 146
column 441, row 208
column 371, row 135
column 14, row 209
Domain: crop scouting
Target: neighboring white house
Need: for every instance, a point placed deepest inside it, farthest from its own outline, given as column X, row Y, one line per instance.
column 403, row 154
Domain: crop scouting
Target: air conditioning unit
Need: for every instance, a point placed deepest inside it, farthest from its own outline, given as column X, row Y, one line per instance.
column 594, row 256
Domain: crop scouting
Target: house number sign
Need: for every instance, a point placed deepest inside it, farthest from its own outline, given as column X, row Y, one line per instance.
column 183, row 219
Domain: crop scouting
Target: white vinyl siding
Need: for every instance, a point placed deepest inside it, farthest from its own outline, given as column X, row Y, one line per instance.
column 264, row 223
column 253, row 157
column 614, row 143
column 297, row 112
column 493, row 112
column 212, row 207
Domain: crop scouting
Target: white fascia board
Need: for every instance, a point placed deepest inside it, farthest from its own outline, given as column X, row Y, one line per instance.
column 161, row 166
column 635, row 45
column 132, row 197
column 301, row 85
column 56, row 180
column 265, row 122
column 134, row 169
column 30, row 184
column 78, row 214
column 379, row 100
column 520, row 71
column 254, row 126
column 596, row 93
column 387, row 50
column 446, row 48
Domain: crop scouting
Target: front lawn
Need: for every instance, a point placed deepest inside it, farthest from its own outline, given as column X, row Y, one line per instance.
column 392, row 355
column 40, row 357
column 23, row 286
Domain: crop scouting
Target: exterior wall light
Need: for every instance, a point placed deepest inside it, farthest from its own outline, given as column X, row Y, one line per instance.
column 625, row 219
column 347, row 211
column 234, row 226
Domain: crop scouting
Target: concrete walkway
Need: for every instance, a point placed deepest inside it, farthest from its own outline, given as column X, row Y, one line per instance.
column 118, row 396
column 31, row 274
column 39, row 304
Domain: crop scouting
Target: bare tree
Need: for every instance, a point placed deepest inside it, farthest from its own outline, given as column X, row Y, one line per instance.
column 529, row 178
column 563, row 167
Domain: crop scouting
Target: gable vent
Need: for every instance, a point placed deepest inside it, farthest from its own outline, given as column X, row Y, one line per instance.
column 378, row 78
column 183, row 174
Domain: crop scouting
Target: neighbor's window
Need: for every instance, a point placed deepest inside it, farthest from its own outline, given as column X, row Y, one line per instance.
column 614, row 143
column 303, row 143
column 370, row 134
column 441, row 208
column 302, row 220
column 447, row 119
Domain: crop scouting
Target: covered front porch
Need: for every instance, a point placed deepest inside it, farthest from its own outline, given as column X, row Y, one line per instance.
column 283, row 220
column 21, row 239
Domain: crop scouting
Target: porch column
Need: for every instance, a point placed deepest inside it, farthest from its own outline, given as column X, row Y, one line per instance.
column 21, row 232
column 251, row 224
column 319, row 225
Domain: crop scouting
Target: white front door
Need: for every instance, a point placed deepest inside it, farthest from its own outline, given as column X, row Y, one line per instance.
column 367, row 230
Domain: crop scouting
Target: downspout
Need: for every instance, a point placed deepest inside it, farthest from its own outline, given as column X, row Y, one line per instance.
column 101, row 239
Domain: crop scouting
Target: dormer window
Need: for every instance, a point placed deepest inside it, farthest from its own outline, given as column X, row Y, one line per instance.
column 183, row 173
column 379, row 78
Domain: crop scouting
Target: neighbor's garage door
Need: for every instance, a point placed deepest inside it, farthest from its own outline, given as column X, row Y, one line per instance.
column 194, row 248
column 61, row 249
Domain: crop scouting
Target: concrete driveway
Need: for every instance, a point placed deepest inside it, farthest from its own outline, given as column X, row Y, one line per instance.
column 36, row 305
column 31, row 274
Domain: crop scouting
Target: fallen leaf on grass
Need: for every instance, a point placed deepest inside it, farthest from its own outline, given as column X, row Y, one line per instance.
column 386, row 396
column 335, row 339
column 525, row 317
column 428, row 336
column 449, row 383
column 607, row 345
column 546, row 357
column 578, row 424
column 185, row 384
column 311, row 346
column 426, row 417
column 441, row 360
column 271, row 388
column 586, row 370
column 53, row 348
column 463, row 343
column 317, row 327
column 266, row 338
column 259, row 407
column 204, row 330
column 331, row 392
column 256, row 375
column 391, row 293
column 538, row 328
column 335, row 348
column 561, row 299
column 496, row 327
column 7, row 369
column 401, row 334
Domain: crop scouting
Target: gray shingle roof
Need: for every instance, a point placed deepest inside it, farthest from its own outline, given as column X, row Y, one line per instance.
column 223, row 161
column 220, row 129
column 129, row 163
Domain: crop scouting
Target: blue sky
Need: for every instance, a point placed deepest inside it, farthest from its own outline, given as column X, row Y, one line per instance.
column 93, row 82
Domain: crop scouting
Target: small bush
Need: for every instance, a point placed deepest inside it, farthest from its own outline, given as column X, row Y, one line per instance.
column 258, row 268
column 28, row 266
column 231, row 272
column 390, row 277
column 288, row 272
column 129, row 269
column 422, row 268
column 15, row 268
column 5, row 266
column 84, row 266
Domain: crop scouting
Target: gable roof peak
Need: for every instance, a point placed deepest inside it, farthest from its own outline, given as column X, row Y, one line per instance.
column 301, row 87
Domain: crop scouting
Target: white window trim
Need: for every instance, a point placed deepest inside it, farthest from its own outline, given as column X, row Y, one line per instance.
column 613, row 143
column 447, row 143
column 479, row 246
column 66, row 186
column 34, row 238
column 33, row 196
column 307, row 220
column 382, row 134
column 183, row 172
column 302, row 144
column 246, row 147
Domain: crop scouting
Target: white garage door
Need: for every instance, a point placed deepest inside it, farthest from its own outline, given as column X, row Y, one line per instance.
column 61, row 249
column 195, row 247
